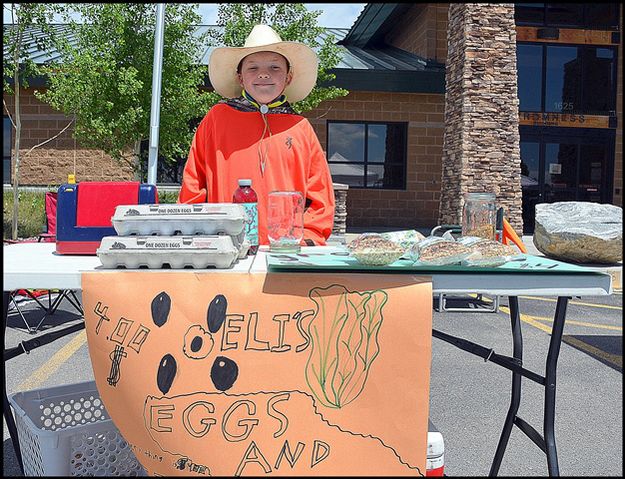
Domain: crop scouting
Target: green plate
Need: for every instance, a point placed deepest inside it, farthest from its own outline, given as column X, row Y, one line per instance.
column 339, row 260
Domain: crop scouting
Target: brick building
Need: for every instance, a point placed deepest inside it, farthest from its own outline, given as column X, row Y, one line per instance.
column 385, row 139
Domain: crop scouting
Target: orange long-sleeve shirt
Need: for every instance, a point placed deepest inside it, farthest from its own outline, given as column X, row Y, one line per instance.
column 226, row 147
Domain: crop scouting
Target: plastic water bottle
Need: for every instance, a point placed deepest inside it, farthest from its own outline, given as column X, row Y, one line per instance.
column 245, row 195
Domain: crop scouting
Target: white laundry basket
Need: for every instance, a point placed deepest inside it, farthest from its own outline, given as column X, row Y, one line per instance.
column 65, row 431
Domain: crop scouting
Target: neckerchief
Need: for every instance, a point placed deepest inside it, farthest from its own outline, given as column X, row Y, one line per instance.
column 243, row 104
column 264, row 108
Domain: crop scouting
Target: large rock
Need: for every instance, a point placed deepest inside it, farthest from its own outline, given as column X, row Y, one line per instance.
column 580, row 231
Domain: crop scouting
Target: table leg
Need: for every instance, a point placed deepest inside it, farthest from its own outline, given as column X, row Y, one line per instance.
column 6, row 407
column 517, row 353
column 550, row 385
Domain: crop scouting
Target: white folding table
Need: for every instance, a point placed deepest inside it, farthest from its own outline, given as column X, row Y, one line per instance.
column 37, row 266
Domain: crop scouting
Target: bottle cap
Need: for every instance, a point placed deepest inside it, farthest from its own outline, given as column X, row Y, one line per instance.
column 71, row 179
column 245, row 182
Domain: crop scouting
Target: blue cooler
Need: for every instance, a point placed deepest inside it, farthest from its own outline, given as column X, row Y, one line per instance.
column 84, row 212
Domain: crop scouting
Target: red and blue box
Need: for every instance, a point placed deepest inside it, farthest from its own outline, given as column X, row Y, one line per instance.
column 84, row 212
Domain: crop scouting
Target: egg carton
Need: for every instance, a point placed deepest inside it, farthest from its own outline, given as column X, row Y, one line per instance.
column 154, row 252
column 186, row 219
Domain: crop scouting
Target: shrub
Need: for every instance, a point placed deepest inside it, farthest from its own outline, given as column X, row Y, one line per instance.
column 167, row 197
column 31, row 215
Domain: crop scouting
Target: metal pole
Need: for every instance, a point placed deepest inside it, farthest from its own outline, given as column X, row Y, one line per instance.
column 155, row 114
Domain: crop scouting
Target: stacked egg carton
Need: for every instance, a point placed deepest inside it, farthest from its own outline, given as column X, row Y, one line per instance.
column 197, row 235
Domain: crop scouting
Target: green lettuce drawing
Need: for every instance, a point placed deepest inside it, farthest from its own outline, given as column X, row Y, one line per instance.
column 344, row 340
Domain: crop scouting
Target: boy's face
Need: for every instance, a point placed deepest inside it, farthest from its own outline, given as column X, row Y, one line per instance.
column 264, row 75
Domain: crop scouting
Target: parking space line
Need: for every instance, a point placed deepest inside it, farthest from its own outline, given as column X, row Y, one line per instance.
column 578, row 303
column 592, row 325
column 582, row 323
column 613, row 359
column 531, row 320
column 37, row 378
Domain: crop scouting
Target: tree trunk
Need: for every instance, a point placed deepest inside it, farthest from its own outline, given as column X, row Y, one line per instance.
column 137, row 160
column 18, row 133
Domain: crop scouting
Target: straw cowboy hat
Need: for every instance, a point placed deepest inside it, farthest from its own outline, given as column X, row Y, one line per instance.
column 222, row 66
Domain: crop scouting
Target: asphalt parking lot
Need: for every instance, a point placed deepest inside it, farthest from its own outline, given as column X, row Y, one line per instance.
column 469, row 397
column 589, row 411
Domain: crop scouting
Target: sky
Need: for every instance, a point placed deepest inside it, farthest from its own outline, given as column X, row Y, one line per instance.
column 335, row 15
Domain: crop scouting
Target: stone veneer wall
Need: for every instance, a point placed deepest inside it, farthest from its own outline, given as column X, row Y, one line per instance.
column 481, row 140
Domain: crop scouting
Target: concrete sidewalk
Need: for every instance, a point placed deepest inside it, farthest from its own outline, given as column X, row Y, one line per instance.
column 616, row 271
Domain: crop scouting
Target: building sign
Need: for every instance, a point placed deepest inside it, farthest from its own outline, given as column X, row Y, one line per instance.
column 230, row 374
column 564, row 119
column 566, row 35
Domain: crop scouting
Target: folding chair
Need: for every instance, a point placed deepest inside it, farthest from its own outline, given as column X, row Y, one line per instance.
column 474, row 304
column 38, row 295
column 50, row 233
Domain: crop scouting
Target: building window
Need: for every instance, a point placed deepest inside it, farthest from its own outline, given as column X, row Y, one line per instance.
column 6, row 141
column 565, row 14
column 368, row 154
column 602, row 15
column 597, row 16
column 599, row 74
column 563, row 80
column 530, row 71
column 529, row 13
column 567, row 79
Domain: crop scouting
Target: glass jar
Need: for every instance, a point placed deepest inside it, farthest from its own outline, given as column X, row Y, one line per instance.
column 478, row 215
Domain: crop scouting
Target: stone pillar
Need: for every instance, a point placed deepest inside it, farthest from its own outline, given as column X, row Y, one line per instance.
column 340, row 213
column 481, row 140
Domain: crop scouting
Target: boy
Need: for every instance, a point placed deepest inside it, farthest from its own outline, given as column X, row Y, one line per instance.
column 256, row 134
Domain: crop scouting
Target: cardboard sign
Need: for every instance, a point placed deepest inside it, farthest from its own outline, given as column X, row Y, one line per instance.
column 264, row 374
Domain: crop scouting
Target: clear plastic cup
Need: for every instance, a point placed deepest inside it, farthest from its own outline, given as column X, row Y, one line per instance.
column 285, row 221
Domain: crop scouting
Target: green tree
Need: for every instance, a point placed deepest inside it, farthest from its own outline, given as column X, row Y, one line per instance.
column 28, row 22
column 293, row 22
column 105, row 79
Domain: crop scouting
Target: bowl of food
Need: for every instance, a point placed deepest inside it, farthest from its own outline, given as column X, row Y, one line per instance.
column 488, row 253
column 437, row 251
column 372, row 249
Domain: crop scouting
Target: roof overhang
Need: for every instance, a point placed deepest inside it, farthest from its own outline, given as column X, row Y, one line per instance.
column 389, row 80
column 373, row 23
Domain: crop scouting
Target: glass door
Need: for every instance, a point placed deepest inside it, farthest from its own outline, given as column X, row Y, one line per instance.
column 564, row 164
column 593, row 174
column 560, row 167
column 530, row 180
